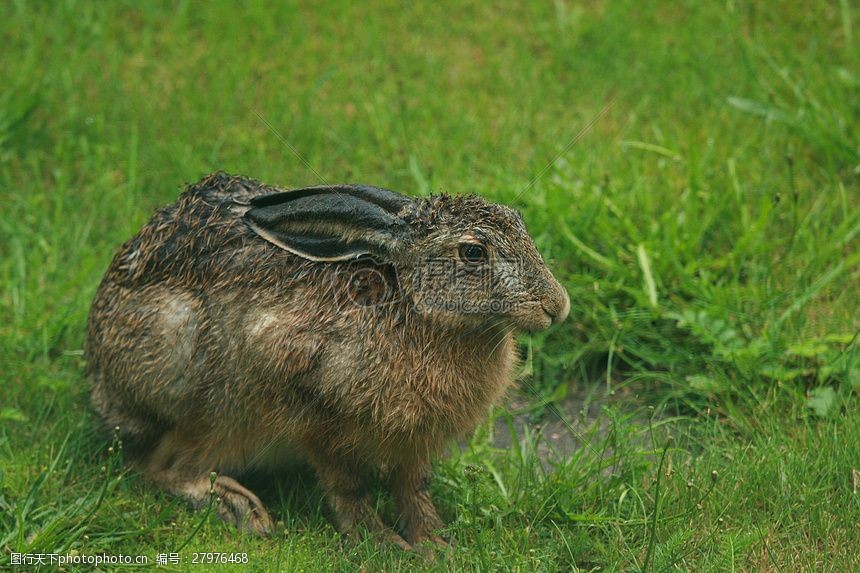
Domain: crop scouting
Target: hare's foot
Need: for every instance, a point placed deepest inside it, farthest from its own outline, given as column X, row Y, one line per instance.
column 234, row 503
column 418, row 519
column 347, row 494
column 172, row 464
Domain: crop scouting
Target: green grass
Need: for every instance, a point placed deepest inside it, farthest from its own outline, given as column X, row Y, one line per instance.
column 706, row 226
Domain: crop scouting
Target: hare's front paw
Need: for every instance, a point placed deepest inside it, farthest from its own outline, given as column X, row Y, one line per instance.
column 379, row 534
column 429, row 538
column 357, row 518
column 348, row 495
column 418, row 520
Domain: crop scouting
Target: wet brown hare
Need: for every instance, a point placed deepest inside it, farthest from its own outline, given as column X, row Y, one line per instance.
column 349, row 327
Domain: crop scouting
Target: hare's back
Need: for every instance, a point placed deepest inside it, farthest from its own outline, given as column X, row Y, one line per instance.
column 198, row 241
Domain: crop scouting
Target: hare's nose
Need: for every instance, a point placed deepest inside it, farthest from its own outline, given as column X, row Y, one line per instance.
column 557, row 307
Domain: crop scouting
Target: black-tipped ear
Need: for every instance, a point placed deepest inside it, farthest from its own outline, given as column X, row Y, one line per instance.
column 332, row 223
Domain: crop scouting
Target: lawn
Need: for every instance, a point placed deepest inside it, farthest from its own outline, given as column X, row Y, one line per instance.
column 690, row 171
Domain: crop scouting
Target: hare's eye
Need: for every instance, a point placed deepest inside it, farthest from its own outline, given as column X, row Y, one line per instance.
column 473, row 253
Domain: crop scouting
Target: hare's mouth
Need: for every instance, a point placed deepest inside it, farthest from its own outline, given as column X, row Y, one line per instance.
column 557, row 315
column 532, row 317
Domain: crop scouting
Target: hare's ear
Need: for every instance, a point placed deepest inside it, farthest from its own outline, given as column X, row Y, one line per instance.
column 332, row 223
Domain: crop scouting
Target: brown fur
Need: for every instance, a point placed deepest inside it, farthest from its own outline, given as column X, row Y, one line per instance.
column 213, row 350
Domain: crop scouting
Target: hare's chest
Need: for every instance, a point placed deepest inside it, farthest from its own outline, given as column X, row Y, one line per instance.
column 423, row 387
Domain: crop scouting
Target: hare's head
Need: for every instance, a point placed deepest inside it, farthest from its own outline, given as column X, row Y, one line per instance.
column 461, row 260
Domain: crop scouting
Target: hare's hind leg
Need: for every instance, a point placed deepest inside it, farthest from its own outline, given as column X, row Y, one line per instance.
column 235, row 503
column 175, row 468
